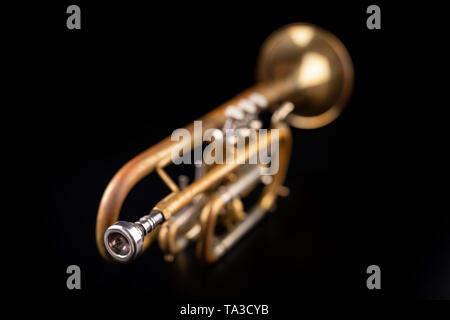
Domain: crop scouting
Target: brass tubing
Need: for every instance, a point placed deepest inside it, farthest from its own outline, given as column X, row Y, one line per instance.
column 300, row 63
column 160, row 155
column 180, row 199
column 210, row 248
column 133, row 171
column 167, row 179
column 184, row 221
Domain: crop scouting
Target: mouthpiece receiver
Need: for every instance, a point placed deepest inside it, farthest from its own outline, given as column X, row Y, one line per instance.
column 124, row 240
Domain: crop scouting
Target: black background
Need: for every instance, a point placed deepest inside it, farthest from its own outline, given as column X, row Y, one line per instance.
column 370, row 188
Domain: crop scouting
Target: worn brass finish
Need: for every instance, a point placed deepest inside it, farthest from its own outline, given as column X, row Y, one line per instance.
column 317, row 64
column 211, row 247
column 299, row 63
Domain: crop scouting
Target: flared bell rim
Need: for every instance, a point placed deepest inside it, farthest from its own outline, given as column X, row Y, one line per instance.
column 296, row 119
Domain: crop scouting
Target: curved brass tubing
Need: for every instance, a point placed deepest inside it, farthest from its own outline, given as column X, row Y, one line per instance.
column 211, row 247
column 132, row 172
column 159, row 156
column 300, row 63
column 184, row 227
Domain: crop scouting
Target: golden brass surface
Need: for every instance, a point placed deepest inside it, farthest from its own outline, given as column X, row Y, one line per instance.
column 300, row 63
column 317, row 64
column 211, row 247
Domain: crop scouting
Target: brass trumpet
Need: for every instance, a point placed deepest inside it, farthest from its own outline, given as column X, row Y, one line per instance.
column 305, row 77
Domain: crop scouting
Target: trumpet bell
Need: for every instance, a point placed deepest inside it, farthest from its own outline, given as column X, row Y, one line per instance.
column 319, row 66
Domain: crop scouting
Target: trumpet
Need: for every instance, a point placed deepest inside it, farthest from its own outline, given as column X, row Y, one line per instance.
column 305, row 78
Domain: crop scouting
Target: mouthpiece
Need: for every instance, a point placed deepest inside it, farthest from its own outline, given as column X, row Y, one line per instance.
column 124, row 240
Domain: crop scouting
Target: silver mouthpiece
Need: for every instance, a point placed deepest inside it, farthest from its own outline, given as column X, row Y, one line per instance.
column 124, row 240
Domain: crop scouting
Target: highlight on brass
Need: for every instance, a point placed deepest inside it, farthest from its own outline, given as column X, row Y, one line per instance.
column 304, row 79
column 225, row 145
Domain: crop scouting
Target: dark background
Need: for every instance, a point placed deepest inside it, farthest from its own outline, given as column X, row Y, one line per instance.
column 370, row 188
